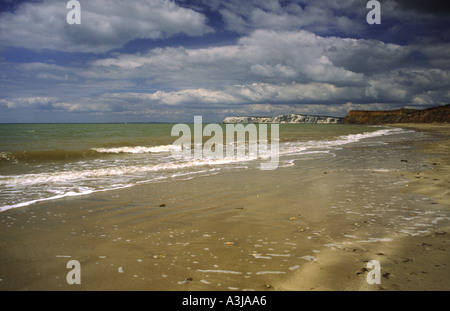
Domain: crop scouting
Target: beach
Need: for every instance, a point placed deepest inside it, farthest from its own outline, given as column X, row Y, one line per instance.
column 311, row 224
column 412, row 263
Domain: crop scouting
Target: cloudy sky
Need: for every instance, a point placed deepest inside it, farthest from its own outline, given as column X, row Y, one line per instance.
column 166, row 61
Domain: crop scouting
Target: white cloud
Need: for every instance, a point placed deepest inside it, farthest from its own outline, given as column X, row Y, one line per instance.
column 379, row 92
column 263, row 56
column 28, row 102
column 247, row 16
column 105, row 24
column 256, row 93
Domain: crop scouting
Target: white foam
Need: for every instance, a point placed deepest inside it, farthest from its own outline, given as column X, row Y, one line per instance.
column 137, row 149
column 350, row 236
column 219, row 271
column 60, row 196
column 371, row 240
column 270, row 272
column 333, row 245
column 437, row 219
column 259, row 256
column 279, row 255
column 290, row 147
column 303, row 147
column 67, row 176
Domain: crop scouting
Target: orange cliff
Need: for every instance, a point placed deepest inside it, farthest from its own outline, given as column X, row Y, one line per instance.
column 439, row 114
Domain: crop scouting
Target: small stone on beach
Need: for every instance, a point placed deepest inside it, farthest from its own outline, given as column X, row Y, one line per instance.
column 407, row 260
column 362, row 270
column 186, row 280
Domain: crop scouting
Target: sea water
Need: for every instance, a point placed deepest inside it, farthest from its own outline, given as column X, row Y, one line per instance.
column 40, row 162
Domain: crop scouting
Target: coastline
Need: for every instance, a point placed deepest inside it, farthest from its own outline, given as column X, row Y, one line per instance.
column 243, row 231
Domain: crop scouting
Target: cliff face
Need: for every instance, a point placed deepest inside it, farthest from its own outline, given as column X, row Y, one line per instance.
column 286, row 118
column 436, row 114
column 247, row 120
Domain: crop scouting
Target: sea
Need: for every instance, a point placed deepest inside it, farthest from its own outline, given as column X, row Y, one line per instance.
column 43, row 162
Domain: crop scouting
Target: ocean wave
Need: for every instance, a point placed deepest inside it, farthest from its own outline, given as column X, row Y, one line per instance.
column 303, row 147
column 33, row 156
column 58, row 196
column 42, row 156
column 76, row 178
column 137, row 149
column 83, row 173
column 111, row 171
column 78, row 190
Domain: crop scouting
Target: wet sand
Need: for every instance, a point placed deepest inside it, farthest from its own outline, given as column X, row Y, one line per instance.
column 312, row 226
column 417, row 262
column 433, row 182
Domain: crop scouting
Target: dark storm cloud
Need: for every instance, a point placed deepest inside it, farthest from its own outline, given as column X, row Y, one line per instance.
column 433, row 7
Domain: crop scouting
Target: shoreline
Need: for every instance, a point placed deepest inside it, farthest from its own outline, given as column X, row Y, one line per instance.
column 436, row 181
column 408, row 263
column 245, row 230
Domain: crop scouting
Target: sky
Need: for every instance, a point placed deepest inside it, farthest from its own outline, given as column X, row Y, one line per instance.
column 167, row 61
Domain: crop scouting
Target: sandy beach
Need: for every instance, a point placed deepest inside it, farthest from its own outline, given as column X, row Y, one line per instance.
column 434, row 182
column 287, row 229
column 411, row 263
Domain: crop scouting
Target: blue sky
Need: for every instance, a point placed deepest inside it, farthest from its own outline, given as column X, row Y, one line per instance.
column 166, row 61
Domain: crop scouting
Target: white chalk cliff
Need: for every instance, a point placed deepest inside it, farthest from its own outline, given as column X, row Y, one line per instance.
column 286, row 118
